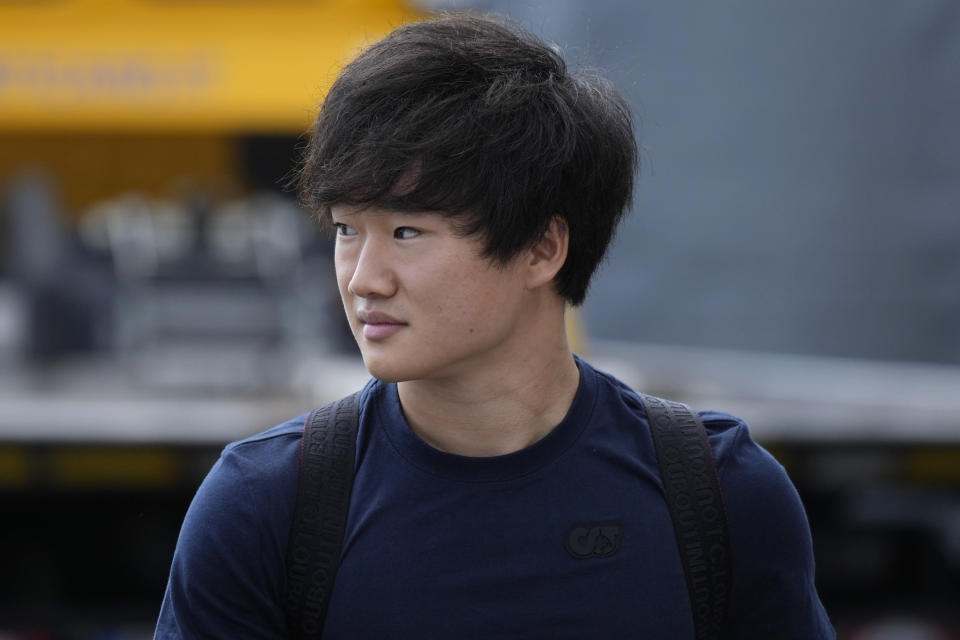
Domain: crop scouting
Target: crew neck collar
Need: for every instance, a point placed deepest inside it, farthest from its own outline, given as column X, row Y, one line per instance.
column 485, row 469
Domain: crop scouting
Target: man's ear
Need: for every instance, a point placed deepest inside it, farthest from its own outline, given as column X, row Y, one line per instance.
column 548, row 254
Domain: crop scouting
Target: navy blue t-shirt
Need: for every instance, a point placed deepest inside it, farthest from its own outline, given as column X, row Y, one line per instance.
column 568, row 538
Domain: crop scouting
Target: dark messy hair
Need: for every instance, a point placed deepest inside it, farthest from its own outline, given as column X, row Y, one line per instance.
column 476, row 118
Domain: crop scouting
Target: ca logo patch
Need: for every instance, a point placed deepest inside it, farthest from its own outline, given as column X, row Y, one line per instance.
column 594, row 540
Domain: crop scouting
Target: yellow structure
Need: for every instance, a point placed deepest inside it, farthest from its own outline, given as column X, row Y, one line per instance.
column 197, row 65
column 115, row 96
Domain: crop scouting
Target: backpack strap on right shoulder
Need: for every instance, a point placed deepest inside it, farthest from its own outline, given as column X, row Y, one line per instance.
column 327, row 457
column 695, row 501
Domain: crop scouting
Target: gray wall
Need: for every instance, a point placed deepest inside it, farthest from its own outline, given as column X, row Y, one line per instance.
column 800, row 189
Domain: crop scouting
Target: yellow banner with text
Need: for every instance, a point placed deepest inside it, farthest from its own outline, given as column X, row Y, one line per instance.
column 211, row 65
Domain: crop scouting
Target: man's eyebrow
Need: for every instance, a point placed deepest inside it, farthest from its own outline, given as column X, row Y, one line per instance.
column 344, row 213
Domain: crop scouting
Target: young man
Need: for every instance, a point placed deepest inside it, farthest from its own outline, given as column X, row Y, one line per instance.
column 474, row 184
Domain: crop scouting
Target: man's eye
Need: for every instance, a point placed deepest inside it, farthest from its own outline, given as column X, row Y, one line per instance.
column 405, row 233
column 344, row 229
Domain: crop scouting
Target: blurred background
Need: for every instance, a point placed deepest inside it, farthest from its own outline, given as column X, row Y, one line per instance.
column 793, row 258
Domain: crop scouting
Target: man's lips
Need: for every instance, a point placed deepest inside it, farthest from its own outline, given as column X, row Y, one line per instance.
column 376, row 317
column 378, row 325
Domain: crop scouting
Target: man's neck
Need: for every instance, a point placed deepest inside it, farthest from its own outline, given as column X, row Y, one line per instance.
column 494, row 410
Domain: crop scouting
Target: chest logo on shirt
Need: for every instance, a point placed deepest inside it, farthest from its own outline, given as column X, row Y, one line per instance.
column 594, row 540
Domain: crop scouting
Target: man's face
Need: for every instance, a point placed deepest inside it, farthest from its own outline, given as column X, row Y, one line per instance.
column 421, row 300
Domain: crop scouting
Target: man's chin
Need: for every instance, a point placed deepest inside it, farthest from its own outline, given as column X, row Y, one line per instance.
column 386, row 371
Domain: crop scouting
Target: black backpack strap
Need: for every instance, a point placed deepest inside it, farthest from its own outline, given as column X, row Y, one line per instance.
column 695, row 501
column 320, row 517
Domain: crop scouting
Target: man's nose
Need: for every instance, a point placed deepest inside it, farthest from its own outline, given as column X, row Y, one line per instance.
column 372, row 275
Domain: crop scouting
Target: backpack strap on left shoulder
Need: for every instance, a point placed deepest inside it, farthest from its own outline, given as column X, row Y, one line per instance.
column 695, row 501
column 327, row 454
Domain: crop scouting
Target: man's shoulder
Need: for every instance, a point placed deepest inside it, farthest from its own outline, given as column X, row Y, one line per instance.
column 748, row 473
column 279, row 444
column 726, row 431
column 269, row 447
column 284, row 430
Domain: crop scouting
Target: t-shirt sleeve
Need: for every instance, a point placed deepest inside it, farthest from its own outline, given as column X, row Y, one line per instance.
column 224, row 581
column 774, row 596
